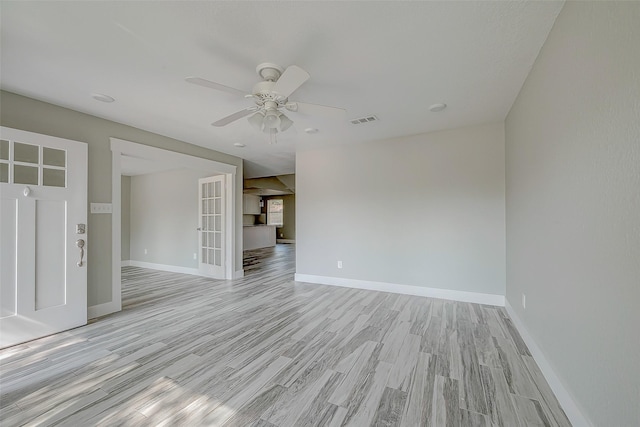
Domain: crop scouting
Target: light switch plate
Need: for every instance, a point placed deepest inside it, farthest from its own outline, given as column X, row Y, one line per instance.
column 101, row 208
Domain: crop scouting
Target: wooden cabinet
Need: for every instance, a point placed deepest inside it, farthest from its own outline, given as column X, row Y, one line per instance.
column 251, row 204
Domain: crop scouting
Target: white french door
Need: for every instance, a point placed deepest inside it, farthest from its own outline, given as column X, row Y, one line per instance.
column 211, row 192
column 43, row 216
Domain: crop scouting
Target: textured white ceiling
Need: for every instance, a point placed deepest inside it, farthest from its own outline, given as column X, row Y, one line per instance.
column 392, row 59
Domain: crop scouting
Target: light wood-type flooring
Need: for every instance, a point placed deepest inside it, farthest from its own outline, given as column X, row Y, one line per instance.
column 267, row 351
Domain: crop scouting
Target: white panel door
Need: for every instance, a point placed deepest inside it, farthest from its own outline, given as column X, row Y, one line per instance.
column 212, row 226
column 43, row 198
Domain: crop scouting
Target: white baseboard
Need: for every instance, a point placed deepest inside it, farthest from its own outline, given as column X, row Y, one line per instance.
column 166, row 267
column 177, row 269
column 125, row 263
column 100, row 310
column 285, row 241
column 568, row 403
column 463, row 296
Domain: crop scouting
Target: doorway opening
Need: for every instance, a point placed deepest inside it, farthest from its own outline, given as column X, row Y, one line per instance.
column 126, row 153
column 269, row 211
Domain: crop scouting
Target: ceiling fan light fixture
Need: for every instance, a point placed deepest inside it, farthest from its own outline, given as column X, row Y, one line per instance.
column 273, row 139
column 271, row 95
column 271, row 119
column 257, row 120
column 285, row 122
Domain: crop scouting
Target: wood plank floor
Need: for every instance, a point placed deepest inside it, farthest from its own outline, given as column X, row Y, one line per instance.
column 266, row 351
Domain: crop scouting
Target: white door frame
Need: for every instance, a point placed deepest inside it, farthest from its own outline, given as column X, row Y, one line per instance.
column 120, row 147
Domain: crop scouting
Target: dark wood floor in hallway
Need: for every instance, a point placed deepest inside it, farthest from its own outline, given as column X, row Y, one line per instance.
column 267, row 351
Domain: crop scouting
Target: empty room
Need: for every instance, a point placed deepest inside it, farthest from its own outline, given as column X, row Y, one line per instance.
column 319, row 213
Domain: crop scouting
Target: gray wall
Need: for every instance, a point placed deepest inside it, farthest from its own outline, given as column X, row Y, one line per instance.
column 573, row 206
column 426, row 210
column 28, row 114
column 125, row 185
column 289, row 229
column 164, row 217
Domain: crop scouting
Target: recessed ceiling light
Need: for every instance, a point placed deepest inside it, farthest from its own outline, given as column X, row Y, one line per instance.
column 102, row 97
column 311, row 130
column 239, row 145
column 437, row 107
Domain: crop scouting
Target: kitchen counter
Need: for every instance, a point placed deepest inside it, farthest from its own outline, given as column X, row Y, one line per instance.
column 258, row 236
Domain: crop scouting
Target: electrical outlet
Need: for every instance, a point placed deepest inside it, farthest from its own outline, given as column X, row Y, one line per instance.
column 195, row 255
column 145, row 251
column 524, row 301
column 339, row 264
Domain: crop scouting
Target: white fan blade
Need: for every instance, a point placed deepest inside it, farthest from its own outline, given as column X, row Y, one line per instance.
column 317, row 110
column 292, row 78
column 206, row 83
column 235, row 116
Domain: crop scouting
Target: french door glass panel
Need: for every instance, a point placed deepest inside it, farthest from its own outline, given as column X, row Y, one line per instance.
column 211, row 225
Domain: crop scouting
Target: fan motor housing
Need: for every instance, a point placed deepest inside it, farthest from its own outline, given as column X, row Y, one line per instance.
column 263, row 92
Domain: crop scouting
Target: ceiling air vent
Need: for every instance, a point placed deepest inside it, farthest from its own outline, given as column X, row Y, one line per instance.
column 363, row 120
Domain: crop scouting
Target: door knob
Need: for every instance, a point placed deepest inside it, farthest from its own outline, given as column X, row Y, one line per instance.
column 80, row 244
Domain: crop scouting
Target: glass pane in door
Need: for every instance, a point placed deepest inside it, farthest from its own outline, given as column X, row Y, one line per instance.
column 25, row 174
column 53, row 157
column 26, row 153
column 4, row 150
column 53, row 177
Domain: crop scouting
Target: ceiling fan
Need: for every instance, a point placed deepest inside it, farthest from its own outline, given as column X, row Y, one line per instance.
column 271, row 97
